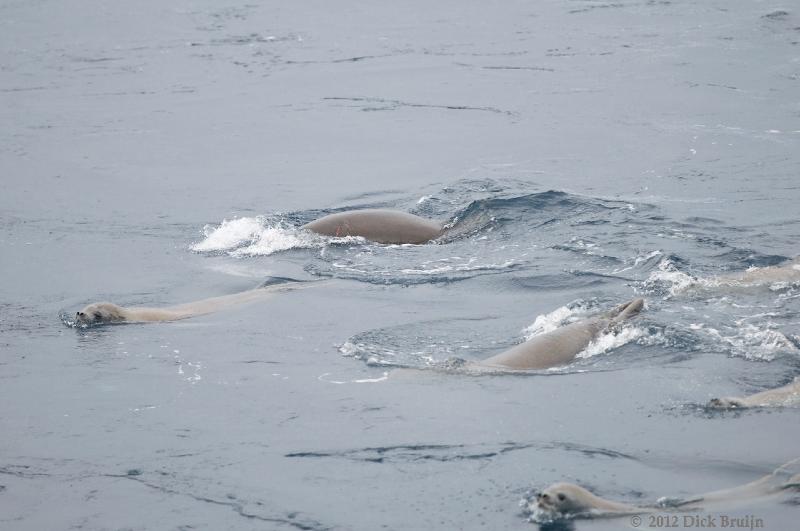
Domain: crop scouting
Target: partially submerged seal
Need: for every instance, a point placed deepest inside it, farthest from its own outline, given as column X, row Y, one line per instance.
column 566, row 500
column 109, row 313
column 755, row 276
column 378, row 225
column 787, row 395
column 560, row 346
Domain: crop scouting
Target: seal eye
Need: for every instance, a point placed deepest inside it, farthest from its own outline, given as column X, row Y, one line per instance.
column 561, row 496
column 545, row 496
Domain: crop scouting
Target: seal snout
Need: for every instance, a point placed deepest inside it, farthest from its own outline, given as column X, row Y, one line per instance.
column 543, row 499
column 627, row 310
column 725, row 403
column 635, row 306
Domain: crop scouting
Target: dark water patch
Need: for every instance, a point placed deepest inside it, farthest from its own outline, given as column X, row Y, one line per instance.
column 729, row 87
column 240, row 507
column 793, row 500
column 589, row 249
column 95, row 59
column 381, row 104
column 702, row 221
column 369, row 197
column 778, row 14
column 355, row 59
column 426, row 274
column 25, row 89
column 711, row 241
column 593, row 6
column 466, row 190
column 537, row 205
column 590, row 451
column 535, row 214
column 567, row 280
column 748, row 258
column 556, row 525
column 705, row 411
column 250, row 39
column 710, row 411
column 414, row 453
column 22, row 471
column 529, row 68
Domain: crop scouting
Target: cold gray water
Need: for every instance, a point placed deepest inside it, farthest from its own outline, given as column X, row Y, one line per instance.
column 584, row 153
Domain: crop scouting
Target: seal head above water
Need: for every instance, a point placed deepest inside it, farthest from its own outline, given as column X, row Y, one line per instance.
column 108, row 313
column 101, row 312
column 561, row 499
column 787, row 395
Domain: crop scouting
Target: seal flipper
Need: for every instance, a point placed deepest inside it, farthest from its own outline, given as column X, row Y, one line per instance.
column 790, row 468
column 626, row 311
column 274, row 281
column 677, row 503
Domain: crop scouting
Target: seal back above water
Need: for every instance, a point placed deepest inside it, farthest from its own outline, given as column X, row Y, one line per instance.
column 560, row 346
column 378, row 225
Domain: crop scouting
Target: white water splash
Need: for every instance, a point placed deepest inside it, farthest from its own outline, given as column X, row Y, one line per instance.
column 248, row 236
column 776, row 278
column 603, row 343
column 450, row 265
column 350, row 349
column 668, row 275
column 275, row 239
column 638, row 260
column 750, row 341
column 229, row 234
column 323, row 378
column 537, row 514
column 553, row 320
column 193, row 367
column 611, row 340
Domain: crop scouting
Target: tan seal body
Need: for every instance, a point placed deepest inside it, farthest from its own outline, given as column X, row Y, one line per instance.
column 560, row 346
column 562, row 500
column 378, row 225
column 780, row 480
column 787, row 395
column 786, row 272
column 106, row 312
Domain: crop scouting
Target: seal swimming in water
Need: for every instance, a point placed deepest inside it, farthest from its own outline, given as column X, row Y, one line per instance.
column 753, row 277
column 560, row 346
column 787, row 395
column 566, row 500
column 108, row 313
column 757, row 276
column 378, row 225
